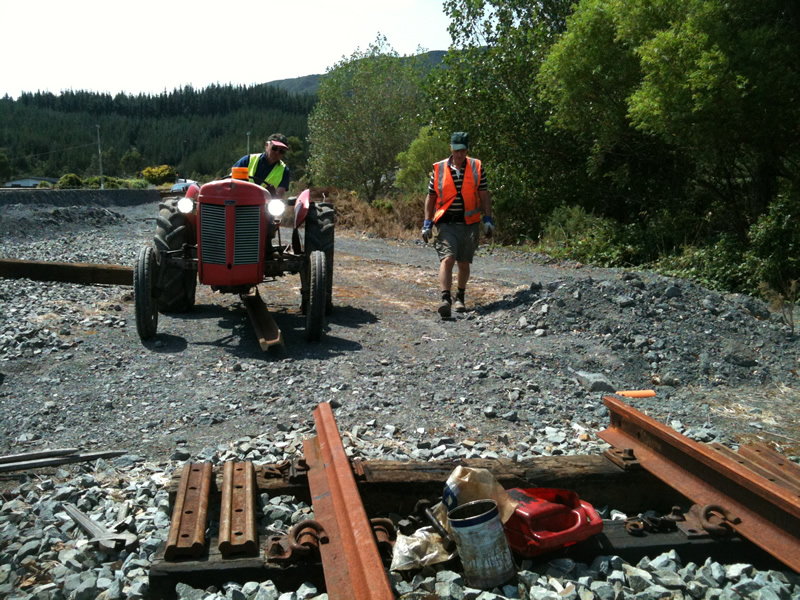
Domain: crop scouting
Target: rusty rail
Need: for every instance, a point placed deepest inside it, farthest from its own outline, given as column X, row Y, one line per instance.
column 188, row 525
column 23, row 465
column 266, row 330
column 763, row 511
column 350, row 558
column 65, row 272
column 237, row 518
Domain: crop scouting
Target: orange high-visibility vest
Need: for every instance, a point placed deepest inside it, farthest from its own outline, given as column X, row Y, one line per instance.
column 446, row 189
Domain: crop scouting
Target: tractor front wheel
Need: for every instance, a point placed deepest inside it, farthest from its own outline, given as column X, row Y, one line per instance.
column 319, row 235
column 176, row 283
column 315, row 309
column 144, row 276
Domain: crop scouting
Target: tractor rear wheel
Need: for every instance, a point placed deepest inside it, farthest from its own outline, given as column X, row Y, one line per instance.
column 177, row 285
column 319, row 235
column 144, row 276
column 315, row 312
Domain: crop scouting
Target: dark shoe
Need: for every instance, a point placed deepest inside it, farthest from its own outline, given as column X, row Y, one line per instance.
column 444, row 309
column 458, row 306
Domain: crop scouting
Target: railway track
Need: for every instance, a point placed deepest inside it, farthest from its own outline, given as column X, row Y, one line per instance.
column 746, row 507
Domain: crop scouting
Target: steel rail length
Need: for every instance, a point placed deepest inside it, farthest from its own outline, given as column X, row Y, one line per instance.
column 764, row 511
column 350, row 558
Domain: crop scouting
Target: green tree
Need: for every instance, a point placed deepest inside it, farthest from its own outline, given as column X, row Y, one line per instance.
column 416, row 163
column 683, row 106
column 296, row 158
column 131, row 162
column 774, row 252
column 5, row 166
column 586, row 78
column 368, row 111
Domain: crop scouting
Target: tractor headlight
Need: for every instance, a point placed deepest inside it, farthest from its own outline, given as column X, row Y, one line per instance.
column 186, row 205
column 276, row 207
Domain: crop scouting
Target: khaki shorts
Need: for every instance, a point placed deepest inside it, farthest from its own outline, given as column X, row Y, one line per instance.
column 458, row 240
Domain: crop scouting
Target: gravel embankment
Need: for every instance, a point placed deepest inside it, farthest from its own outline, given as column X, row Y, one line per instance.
column 522, row 374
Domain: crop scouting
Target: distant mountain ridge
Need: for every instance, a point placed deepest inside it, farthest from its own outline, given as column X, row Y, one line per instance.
column 309, row 84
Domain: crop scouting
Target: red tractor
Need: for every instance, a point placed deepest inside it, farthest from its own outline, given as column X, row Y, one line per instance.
column 226, row 234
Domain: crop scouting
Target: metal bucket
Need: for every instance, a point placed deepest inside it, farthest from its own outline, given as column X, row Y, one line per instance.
column 482, row 544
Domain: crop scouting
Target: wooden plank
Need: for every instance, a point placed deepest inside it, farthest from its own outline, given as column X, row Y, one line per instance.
column 615, row 540
column 401, row 484
column 214, row 569
column 66, row 272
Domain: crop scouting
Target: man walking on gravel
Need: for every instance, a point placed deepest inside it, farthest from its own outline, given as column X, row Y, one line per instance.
column 457, row 194
column 267, row 169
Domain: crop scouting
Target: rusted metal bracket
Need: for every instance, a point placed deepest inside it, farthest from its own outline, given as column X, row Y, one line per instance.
column 187, row 529
column 302, row 541
column 237, row 517
column 768, row 513
column 708, row 521
column 351, row 561
column 624, row 458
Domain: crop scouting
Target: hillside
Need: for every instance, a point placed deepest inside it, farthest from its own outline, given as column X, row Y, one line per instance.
column 309, row 84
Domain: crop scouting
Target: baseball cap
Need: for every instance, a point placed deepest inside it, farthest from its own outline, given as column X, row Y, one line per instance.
column 278, row 139
column 459, row 140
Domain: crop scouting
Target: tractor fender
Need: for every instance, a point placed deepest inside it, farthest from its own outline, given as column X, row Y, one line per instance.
column 301, row 207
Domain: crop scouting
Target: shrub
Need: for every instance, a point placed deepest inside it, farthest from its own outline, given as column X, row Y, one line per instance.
column 720, row 265
column 69, row 181
column 44, row 185
column 109, row 183
column 383, row 205
column 136, row 184
column 571, row 232
column 398, row 218
column 773, row 256
column 159, row 175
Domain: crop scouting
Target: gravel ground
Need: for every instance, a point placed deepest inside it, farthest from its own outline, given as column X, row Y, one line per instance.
column 521, row 374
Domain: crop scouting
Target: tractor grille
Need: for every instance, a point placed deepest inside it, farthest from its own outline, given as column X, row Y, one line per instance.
column 212, row 235
column 247, row 232
column 248, row 220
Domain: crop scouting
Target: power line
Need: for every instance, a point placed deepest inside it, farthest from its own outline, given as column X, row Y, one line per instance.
column 52, row 151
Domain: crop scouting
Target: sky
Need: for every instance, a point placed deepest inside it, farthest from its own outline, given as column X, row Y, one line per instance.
column 148, row 46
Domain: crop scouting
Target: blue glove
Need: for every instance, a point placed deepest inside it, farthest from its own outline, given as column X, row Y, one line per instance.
column 427, row 232
column 488, row 226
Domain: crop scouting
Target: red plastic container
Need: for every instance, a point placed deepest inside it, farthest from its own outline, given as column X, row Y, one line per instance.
column 548, row 519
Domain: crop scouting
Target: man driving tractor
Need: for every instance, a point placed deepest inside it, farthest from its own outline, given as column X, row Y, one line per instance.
column 267, row 169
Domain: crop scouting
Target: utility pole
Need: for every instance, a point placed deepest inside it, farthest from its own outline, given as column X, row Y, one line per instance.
column 248, row 143
column 100, row 157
